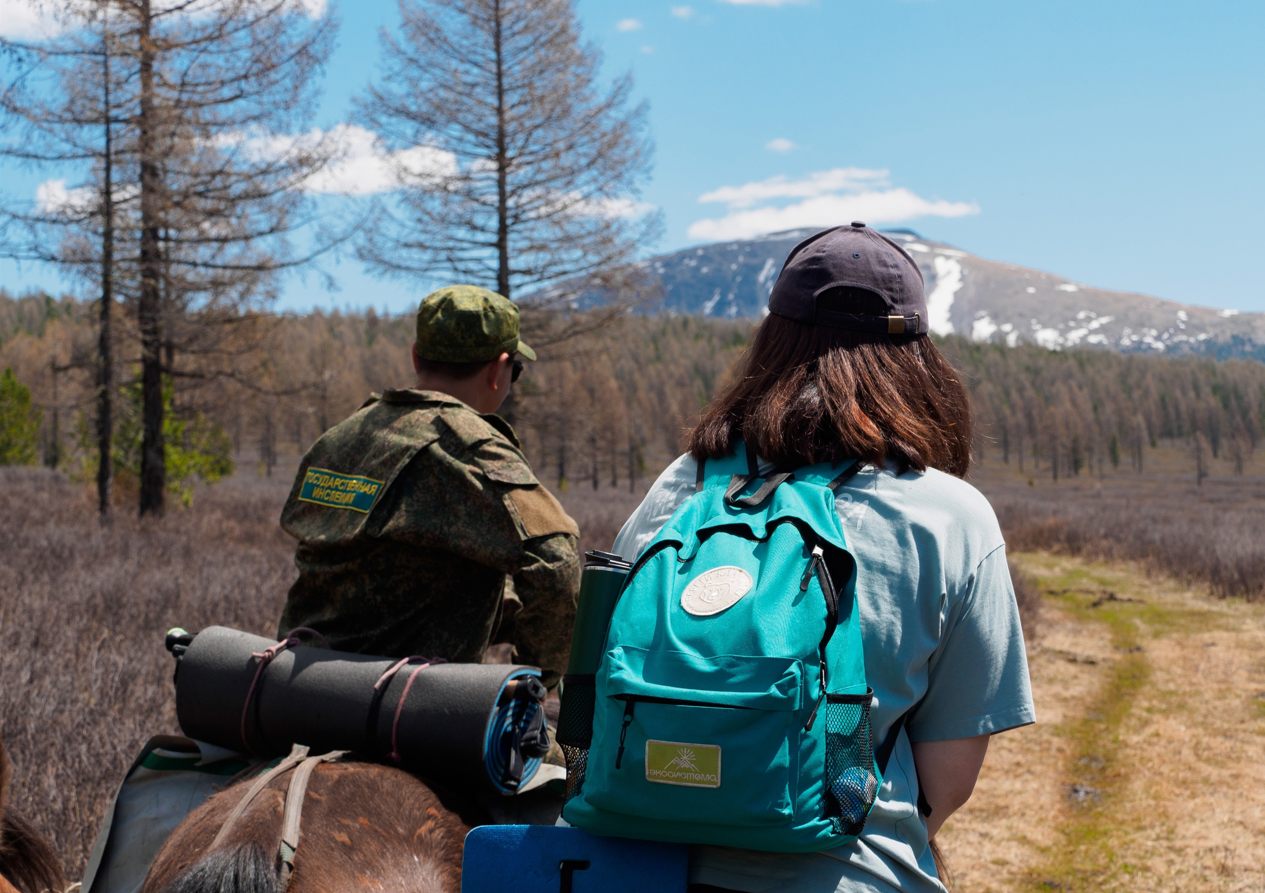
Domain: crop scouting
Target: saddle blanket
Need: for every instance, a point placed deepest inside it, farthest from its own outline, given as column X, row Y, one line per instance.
column 173, row 776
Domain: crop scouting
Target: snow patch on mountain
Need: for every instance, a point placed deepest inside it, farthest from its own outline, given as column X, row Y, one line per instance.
column 940, row 301
column 983, row 327
column 767, row 275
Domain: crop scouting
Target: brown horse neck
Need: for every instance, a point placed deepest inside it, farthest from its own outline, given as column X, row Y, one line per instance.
column 362, row 823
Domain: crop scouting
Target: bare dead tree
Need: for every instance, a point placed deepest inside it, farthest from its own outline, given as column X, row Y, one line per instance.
column 224, row 86
column 210, row 96
column 517, row 170
column 105, row 340
column 61, row 107
column 1199, row 449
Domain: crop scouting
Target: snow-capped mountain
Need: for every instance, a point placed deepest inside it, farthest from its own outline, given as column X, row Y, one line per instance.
column 982, row 299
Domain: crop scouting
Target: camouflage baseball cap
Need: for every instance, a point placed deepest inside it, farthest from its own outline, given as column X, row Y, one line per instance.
column 468, row 324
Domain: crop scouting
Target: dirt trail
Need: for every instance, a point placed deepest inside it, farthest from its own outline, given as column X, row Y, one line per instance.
column 1147, row 768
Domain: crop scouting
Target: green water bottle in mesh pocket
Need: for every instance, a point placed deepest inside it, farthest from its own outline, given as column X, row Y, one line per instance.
column 600, row 585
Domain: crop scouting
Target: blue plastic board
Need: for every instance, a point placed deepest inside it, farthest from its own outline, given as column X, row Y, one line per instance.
column 549, row 859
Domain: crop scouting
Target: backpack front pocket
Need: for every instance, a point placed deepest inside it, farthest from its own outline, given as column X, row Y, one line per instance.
column 715, row 748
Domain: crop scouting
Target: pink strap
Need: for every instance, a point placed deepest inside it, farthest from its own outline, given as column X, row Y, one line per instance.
column 266, row 657
column 385, row 680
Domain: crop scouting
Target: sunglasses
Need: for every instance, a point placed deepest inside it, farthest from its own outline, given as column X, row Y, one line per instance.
column 518, row 369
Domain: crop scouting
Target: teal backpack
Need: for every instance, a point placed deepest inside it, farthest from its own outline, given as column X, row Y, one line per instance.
column 731, row 706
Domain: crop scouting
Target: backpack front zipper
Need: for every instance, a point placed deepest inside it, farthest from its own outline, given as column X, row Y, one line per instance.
column 818, row 555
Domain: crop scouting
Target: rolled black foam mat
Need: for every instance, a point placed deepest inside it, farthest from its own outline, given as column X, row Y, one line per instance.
column 458, row 724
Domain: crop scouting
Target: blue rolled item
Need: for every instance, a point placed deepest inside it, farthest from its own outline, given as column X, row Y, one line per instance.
column 475, row 727
column 502, row 748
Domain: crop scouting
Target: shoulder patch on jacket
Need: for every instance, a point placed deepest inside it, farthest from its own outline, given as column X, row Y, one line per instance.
column 539, row 512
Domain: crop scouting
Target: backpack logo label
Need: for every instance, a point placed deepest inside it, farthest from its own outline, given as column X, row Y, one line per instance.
column 715, row 590
column 690, row 765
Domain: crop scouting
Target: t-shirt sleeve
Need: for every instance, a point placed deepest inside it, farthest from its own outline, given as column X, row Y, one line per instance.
column 667, row 494
column 977, row 680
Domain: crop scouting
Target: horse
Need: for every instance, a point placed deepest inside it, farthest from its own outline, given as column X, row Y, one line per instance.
column 363, row 826
column 28, row 862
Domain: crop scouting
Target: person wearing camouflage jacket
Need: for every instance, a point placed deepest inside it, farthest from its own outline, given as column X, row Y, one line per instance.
column 412, row 513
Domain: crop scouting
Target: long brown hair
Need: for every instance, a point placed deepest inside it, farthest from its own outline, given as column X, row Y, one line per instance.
column 804, row 394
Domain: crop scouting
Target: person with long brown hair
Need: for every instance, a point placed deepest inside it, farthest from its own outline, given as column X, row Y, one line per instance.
column 842, row 369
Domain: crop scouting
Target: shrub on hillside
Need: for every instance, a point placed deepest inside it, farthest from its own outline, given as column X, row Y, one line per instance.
column 19, row 421
column 194, row 446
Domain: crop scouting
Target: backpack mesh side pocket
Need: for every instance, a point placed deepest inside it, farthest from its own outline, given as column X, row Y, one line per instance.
column 850, row 782
column 575, row 727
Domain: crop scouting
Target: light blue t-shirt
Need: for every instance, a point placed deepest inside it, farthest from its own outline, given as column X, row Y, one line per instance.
column 939, row 625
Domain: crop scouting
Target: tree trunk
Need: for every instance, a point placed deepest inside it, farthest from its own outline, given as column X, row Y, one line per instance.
column 593, row 453
column 105, row 346
column 153, row 464
column 52, row 456
column 502, row 167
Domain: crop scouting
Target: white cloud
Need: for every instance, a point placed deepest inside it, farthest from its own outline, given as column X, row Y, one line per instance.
column 764, row 2
column 818, row 183
column 28, row 20
column 628, row 25
column 612, row 207
column 824, row 198
column 36, row 20
column 647, row 50
column 361, row 165
column 53, row 197
column 781, row 144
column 364, row 167
column 683, row 12
column 572, row 204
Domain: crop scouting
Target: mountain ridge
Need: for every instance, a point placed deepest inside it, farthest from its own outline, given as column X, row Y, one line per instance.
column 985, row 300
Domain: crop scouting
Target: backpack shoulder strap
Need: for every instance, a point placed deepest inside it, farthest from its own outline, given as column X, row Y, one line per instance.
column 848, row 474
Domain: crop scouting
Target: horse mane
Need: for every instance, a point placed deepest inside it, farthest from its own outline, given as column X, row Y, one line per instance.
column 244, row 868
column 27, row 860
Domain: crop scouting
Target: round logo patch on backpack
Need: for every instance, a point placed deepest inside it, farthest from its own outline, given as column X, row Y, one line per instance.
column 715, row 590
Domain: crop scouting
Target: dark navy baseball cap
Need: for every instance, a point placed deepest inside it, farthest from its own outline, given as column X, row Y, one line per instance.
column 844, row 259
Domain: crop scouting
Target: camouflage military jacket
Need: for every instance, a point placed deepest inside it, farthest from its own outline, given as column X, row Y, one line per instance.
column 409, row 517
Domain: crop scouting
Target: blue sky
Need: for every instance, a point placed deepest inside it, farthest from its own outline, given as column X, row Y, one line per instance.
column 1116, row 143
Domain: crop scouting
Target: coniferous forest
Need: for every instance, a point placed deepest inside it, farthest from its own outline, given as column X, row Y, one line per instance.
column 610, row 405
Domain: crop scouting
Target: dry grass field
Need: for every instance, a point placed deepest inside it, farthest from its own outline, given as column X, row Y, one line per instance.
column 1144, row 773
column 1209, row 535
column 84, row 677
column 1145, row 769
